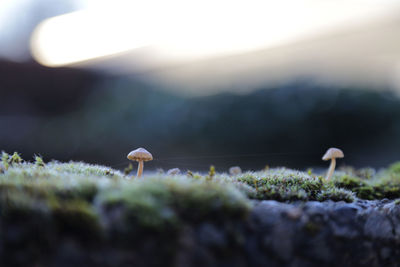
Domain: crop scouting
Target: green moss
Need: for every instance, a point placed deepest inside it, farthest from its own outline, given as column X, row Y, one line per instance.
column 366, row 192
column 335, row 194
column 395, row 168
column 39, row 161
column 15, row 159
column 128, row 169
column 370, row 184
column 157, row 203
column 348, row 182
column 4, row 159
column 211, row 173
column 283, row 185
column 85, row 200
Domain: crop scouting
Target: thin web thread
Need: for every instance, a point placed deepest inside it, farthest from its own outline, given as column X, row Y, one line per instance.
column 175, row 160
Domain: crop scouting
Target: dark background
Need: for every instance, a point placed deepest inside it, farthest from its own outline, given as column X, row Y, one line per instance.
column 70, row 114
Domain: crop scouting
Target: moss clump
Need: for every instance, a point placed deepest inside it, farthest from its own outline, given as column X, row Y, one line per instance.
column 284, row 185
column 157, row 203
column 370, row 184
column 336, row 194
column 348, row 181
column 76, row 199
column 394, row 168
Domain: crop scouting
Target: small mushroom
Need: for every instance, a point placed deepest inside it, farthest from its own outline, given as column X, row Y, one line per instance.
column 140, row 155
column 331, row 154
column 174, row 171
column 235, row 170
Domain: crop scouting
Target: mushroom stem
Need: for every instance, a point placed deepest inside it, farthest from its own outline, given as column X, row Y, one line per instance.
column 140, row 168
column 331, row 169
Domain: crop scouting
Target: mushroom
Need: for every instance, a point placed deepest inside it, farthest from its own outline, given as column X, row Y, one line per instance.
column 235, row 170
column 331, row 154
column 174, row 171
column 140, row 155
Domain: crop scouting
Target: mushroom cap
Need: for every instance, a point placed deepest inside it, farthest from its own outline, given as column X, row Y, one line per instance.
column 333, row 153
column 235, row 170
column 140, row 154
column 174, row 171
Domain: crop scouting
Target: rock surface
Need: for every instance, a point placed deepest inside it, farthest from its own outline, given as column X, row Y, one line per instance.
column 363, row 233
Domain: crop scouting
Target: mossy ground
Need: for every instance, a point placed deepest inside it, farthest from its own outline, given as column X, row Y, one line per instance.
column 83, row 198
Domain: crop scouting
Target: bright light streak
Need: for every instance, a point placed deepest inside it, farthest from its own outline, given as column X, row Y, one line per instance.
column 187, row 29
column 80, row 36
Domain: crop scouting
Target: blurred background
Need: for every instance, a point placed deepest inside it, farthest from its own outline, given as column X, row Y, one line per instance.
column 245, row 83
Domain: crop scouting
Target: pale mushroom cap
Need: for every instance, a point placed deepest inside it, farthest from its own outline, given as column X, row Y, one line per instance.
column 235, row 170
column 140, row 154
column 174, row 171
column 333, row 153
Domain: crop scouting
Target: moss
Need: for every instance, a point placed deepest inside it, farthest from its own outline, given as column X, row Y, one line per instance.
column 85, row 200
column 366, row 173
column 39, row 161
column 336, row 194
column 159, row 203
column 348, row 182
column 370, row 184
column 14, row 202
column 128, row 169
column 211, row 173
column 4, row 159
column 395, row 168
column 366, row 192
column 15, row 159
column 283, row 185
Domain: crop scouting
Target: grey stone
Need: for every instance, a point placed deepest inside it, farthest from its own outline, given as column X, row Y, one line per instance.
column 378, row 226
column 344, row 222
column 209, row 235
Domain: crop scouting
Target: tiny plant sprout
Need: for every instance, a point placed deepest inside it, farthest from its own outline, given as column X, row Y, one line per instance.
column 174, row 171
column 140, row 155
column 128, row 169
column 39, row 161
column 15, row 158
column 235, row 170
column 211, row 173
column 331, row 154
column 2, row 168
column 5, row 160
